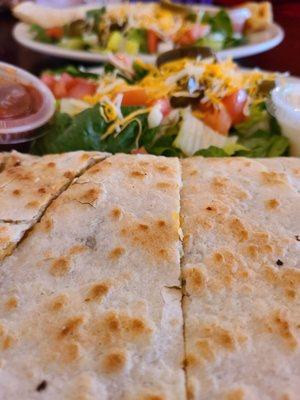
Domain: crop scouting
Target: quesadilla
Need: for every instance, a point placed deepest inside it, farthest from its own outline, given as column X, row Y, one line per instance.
column 241, row 224
column 90, row 303
column 28, row 184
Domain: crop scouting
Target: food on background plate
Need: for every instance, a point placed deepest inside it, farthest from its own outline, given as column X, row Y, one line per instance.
column 188, row 104
column 144, row 28
column 91, row 299
column 240, row 221
column 28, row 184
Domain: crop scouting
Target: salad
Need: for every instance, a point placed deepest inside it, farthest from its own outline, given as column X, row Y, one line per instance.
column 145, row 28
column 189, row 103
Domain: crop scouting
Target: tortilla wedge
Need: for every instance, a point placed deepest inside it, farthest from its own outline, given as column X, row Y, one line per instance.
column 28, row 184
column 90, row 301
column 241, row 222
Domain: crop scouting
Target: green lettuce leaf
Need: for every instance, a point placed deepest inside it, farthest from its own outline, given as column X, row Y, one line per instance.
column 212, row 151
column 85, row 130
column 220, row 22
column 264, row 144
column 40, row 34
column 94, row 17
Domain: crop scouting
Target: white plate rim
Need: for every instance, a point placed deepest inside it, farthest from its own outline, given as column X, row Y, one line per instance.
column 22, row 35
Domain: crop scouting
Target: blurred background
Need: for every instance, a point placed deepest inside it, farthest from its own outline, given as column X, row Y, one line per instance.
column 285, row 57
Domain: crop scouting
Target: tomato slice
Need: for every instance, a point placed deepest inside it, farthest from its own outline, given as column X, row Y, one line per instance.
column 192, row 34
column 55, row 33
column 235, row 104
column 81, row 88
column 152, row 41
column 140, row 150
column 218, row 119
column 49, row 80
column 164, row 105
column 135, row 97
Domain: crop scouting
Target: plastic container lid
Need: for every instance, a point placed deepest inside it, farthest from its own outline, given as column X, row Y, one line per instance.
column 18, row 130
column 284, row 105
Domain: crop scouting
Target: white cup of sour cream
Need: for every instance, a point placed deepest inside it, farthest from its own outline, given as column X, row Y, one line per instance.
column 285, row 107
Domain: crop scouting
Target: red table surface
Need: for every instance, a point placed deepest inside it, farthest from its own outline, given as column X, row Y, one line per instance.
column 285, row 57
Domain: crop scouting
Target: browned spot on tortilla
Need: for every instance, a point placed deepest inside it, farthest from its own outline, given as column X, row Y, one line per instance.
column 161, row 223
column 85, row 157
column 16, row 192
column 90, row 195
column 114, row 362
column 7, row 342
column 46, row 224
column 238, row 230
column 77, row 249
column 138, row 174
column 153, row 397
column 218, row 336
column 205, row 350
column 156, row 238
column 116, row 253
column 11, row 303
column 69, row 174
column 273, row 178
column 235, row 394
column 116, row 213
column 143, row 227
column 112, row 322
column 272, row 204
column 71, row 326
column 32, row 204
column 165, row 169
column 97, row 292
column 51, row 164
column 165, row 185
column 195, row 279
column 71, row 352
column 60, row 266
column 283, row 328
column 42, row 190
column 59, row 302
column 116, row 326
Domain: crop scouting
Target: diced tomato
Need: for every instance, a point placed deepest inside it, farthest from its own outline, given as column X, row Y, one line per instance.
column 141, row 150
column 152, row 41
column 235, row 104
column 60, row 90
column 69, row 86
column 55, row 33
column 192, row 34
column 49, row 80
column 218, row 119
column 81, row 88
column 135, row 97
column 164, row 105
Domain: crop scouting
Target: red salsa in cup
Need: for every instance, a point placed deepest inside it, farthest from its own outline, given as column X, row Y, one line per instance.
column 18, row 100
column 25, row 105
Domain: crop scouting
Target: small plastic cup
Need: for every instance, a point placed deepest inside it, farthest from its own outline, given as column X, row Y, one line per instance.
column 23, row 129
column 284, row 105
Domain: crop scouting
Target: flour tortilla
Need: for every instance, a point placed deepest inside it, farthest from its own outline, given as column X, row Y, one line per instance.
column 240, row 219
column 90, row 302
column 29, row 183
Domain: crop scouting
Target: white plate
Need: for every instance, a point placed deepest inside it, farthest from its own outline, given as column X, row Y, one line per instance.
column 258, row 43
